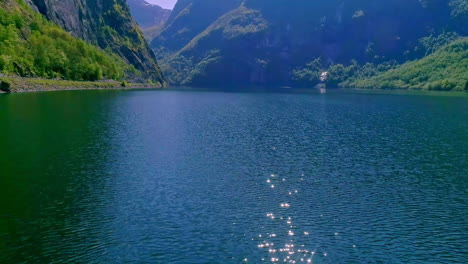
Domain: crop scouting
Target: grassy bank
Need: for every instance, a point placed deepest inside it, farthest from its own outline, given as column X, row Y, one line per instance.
column 16, row 84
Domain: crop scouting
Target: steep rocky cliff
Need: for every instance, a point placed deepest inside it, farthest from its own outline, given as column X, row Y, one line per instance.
column 106, row 23
column 208, row 42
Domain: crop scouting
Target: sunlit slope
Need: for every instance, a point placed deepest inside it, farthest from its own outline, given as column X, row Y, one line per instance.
column 31, row 46
column 446, row 69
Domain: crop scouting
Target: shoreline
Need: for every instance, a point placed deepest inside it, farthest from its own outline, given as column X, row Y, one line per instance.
column 26, row 85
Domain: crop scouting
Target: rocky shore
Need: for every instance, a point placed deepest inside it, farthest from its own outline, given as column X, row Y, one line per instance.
column 17, row 85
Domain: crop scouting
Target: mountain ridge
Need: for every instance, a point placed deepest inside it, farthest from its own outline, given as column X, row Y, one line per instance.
column 194, row 50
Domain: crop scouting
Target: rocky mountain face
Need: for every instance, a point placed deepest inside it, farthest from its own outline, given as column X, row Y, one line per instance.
column 189, row 18
column 210, row 42
column 106, row 23
column 148, row 15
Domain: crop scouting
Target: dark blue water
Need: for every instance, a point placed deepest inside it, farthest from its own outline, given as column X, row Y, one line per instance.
column 233, row 177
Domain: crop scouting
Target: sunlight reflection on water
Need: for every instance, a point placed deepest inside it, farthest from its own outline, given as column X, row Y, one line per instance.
column 288, row 246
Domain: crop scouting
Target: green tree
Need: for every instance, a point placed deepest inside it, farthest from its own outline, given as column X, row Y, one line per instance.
column 310, row 75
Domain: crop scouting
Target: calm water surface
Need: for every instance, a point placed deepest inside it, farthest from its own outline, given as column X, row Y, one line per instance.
column 233, row 177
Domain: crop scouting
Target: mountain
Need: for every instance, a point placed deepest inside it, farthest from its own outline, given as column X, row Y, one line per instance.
column 107, row 24
column 189, row 18
column 210, row 42
column 150, row 17
column 31, row 46
column 146, row 14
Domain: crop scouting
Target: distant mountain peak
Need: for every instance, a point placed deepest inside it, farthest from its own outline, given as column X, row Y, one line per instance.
column 148, row 15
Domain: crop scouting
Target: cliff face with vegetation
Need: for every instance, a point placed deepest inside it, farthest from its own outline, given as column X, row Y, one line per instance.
column 31, row 46
column 107, row 24
column 268, row 42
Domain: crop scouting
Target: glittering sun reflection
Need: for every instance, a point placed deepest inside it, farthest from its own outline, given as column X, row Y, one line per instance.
column 287, row 244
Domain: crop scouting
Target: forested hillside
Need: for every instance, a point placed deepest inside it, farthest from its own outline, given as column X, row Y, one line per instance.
column 269, row 42
column 446, row 69
column 107, row 24
column 31, row 46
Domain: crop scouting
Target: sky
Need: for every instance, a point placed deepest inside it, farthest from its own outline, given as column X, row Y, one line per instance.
column 168, row 4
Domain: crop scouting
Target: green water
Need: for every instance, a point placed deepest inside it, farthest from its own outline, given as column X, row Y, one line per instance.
column 233, row 177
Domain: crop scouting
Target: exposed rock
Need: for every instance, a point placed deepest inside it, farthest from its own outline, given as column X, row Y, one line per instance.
column 107, row 24
column 5, row 86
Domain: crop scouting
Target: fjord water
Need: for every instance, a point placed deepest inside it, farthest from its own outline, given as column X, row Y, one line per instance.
column 232, row 177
